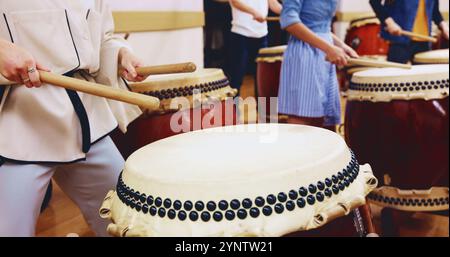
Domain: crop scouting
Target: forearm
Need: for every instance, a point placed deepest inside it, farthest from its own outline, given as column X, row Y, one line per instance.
column 337, row 41
column 303, row 33
column 238, row 4
column 275, row 6
column 379, row 10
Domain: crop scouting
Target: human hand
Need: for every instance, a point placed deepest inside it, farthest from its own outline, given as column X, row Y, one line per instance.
column 337, row 56
column 129, row 62
column 392, row 27
column 18, row 65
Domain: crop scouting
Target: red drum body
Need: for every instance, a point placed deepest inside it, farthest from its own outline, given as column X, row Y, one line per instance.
column 407, row 139
column 364, row 37
column 211, row 106
column 149, row 129
column 398, row 120
column 268, row 77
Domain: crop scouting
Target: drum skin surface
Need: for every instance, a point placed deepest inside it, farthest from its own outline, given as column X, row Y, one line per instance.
column 364, row 37
column 407, row 139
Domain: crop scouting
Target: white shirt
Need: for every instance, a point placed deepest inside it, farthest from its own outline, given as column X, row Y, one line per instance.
column 244, row 24
column 40, row 124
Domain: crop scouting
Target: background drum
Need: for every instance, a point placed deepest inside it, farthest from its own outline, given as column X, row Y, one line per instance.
column 268, row 75
column 347, row 72
column 432, row 57
column 206, row 183
column 208, row 104
column 364, row 37
column 398, row 121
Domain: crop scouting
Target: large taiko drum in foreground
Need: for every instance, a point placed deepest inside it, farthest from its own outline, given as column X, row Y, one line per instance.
column 268, row 76
column 398, row 121
column 364, row 37
column 246, row 180
column 190, row 101
column 432, row 57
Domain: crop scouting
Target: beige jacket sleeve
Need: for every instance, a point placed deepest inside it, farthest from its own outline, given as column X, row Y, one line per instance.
column 108, row 75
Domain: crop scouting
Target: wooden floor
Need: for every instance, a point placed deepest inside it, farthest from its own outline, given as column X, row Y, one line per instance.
column 63, row 217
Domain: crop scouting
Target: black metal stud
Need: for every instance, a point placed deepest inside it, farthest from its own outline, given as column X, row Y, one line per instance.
column 267, row 210
column 254, row 212
column 193, row 215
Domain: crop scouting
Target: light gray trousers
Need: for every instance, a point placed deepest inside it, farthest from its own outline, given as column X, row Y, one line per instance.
column 23, row 187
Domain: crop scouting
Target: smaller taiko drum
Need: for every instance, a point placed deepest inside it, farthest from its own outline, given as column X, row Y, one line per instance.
column 268, row 79
column 189, row 101
column 398, row 120
column 364, row 37
column 223, row 182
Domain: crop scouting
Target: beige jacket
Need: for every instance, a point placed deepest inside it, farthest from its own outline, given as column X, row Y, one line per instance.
column 41, row 125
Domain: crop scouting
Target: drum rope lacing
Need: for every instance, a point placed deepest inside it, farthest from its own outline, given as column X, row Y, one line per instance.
column 230, row 210
column 401, row 86
column 188, row 90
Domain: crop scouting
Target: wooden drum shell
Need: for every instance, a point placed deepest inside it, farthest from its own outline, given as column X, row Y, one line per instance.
column 365, row 38
column 408, row 140
column 268, row 82
column 149, row 129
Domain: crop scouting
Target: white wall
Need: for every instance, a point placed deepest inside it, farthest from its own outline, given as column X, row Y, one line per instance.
column 163, row 47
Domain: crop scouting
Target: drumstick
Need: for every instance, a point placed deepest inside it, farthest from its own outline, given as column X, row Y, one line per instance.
column 377, row 64
column 420, row 36
column 273, row 19
column 148, row 102
column 165, row 69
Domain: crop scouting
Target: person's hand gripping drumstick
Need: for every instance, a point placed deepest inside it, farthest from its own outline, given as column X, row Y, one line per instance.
column 340, row 53
column 129, row 62
column 18, row 65
column 392, row 27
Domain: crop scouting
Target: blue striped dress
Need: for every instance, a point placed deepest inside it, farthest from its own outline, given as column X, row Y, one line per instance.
column 308, row 83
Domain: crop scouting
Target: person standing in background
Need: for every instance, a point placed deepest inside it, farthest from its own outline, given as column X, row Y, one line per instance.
column 309, row 91
column 248, row 35
column 409, row 15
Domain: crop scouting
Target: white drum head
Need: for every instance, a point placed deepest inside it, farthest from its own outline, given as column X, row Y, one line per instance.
column 254, row 180
column 386, row 84
column 432, row 57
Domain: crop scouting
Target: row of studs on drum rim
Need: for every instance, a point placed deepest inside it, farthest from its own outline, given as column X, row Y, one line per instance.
column 409, row 202
column 399, row 87
column 156, row 206
column 188, row 90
